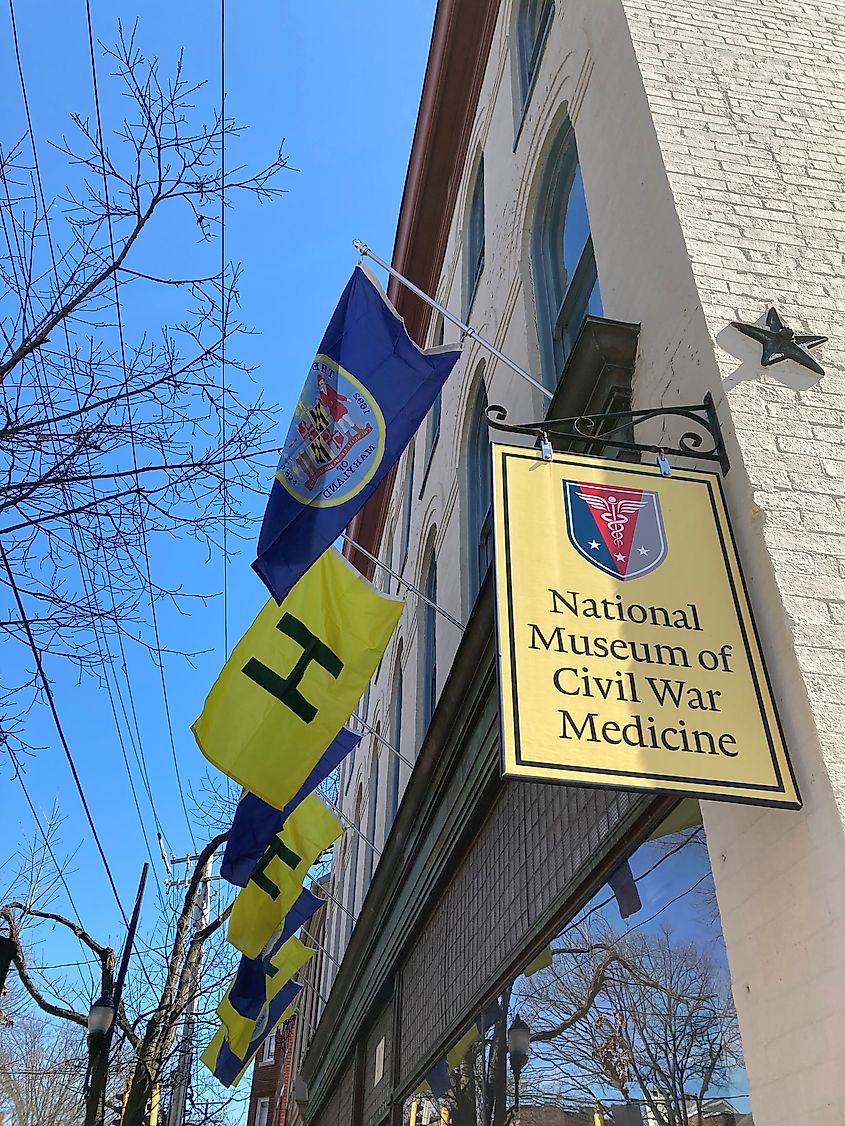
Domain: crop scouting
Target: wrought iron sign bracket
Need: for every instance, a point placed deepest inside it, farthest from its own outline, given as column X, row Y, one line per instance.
column 706, row 445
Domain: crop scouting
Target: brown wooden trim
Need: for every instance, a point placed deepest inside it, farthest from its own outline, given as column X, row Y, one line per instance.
column 457, row 60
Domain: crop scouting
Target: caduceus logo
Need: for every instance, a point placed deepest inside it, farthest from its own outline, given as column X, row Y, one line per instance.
column 617, row 529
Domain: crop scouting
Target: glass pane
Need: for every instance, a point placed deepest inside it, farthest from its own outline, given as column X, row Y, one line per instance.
column 633, row 1013
column 594, row 306
column 576, row 227
column 629, row 1013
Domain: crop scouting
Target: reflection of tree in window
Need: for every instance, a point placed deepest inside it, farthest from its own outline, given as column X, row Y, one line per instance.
column 634, row 1012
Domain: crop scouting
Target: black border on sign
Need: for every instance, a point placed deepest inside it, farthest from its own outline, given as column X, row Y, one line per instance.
column 702, row 478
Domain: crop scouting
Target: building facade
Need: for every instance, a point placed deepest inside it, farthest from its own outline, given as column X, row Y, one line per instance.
column 601, row 187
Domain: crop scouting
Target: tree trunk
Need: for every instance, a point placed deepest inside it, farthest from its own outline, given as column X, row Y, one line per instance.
column 140, row 1093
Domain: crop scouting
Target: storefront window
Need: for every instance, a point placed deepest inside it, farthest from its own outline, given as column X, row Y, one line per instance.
column 629, row 1013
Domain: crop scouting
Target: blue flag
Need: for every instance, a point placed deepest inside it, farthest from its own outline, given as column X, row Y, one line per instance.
column 227, row 1067
column 249, row 990
column 256, row 822
column 367, row 392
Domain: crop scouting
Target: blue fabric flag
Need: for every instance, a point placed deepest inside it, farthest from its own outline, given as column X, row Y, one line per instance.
column 256, row 823
column 228, row 1066
column 438, row 1079
column 367, row 392
column 249, row 987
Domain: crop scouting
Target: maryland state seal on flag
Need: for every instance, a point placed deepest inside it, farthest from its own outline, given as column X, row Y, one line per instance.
column 368, row 389
column 618, row 530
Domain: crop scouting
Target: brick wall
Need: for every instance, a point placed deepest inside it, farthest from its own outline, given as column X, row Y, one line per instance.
column 748, row 104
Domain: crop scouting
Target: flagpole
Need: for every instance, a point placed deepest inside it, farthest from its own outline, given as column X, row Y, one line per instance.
column 350, row 824
column 377, row 735
column 365, row 252
column 335, row 901
column 404, row 582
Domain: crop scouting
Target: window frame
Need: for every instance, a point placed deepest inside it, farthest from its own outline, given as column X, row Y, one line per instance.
column 479, row 489
column 372, row 805
column 476, row 235
column 429, row 641
column 262, row 1104
column 395, row 721
column 561, row 302
column 268, row 1050
column 531, row 33
column 407, row 505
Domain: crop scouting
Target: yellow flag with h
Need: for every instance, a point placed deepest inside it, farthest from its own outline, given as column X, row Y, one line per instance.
column 294, row 679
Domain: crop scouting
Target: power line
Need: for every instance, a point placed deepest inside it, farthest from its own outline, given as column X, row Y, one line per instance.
column 83, row 563
column 223, row 321
column 154, row 615
column 19, row 775
column 59, row 729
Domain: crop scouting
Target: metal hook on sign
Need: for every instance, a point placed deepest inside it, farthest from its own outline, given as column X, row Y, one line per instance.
column 545, row 446
column 663, row 462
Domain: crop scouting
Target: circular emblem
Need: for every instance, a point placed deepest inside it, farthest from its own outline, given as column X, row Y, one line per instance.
column 336, row 439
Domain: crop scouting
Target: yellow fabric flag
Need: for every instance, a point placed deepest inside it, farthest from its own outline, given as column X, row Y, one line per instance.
column 223, row 1064
column 281, row 967
column 541, row 962
column 455, row 1057
column 294, row 679
column 278, row 876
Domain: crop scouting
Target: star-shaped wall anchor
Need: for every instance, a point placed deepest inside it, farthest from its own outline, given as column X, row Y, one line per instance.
column 781, row 342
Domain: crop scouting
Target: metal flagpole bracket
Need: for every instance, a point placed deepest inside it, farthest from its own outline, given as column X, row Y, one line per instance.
column 706, row 446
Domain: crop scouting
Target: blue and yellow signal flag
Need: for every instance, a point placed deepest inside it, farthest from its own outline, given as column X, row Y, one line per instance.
column 277, row 879
column 256, row 823
column 252, row 985
column 227, row 1067
column 279, row 968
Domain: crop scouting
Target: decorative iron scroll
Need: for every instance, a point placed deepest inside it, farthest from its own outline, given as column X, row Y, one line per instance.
column 590, row 427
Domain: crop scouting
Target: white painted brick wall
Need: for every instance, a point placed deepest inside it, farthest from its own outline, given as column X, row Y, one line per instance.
column 748, row 102
column 713, row 155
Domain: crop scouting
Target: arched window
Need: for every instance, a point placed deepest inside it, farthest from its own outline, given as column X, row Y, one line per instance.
column 533, row 20
column 408, row 503
column 475, row 236
column 429, row 641
column 566, row 283
column 433, row 429
column 479, row 492
column 352, row 885
column 395, row 737
column 372, row 814
column 387, row 558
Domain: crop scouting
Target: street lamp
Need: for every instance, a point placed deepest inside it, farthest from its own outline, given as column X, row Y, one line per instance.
column 101, row 1015
column 100, row 1024
column 519, row 1046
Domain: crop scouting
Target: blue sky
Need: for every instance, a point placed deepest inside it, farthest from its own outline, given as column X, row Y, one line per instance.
column 340, row 84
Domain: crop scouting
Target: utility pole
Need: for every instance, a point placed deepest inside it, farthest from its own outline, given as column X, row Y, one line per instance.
column 99, row 1040
column 199, row 920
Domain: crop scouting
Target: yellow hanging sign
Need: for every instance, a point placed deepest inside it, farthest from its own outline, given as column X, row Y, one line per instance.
column 628, row 654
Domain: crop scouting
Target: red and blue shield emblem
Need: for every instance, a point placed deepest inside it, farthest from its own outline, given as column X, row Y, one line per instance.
column 618, row 530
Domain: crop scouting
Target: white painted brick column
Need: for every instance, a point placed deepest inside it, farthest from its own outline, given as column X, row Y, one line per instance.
column 748, row 103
